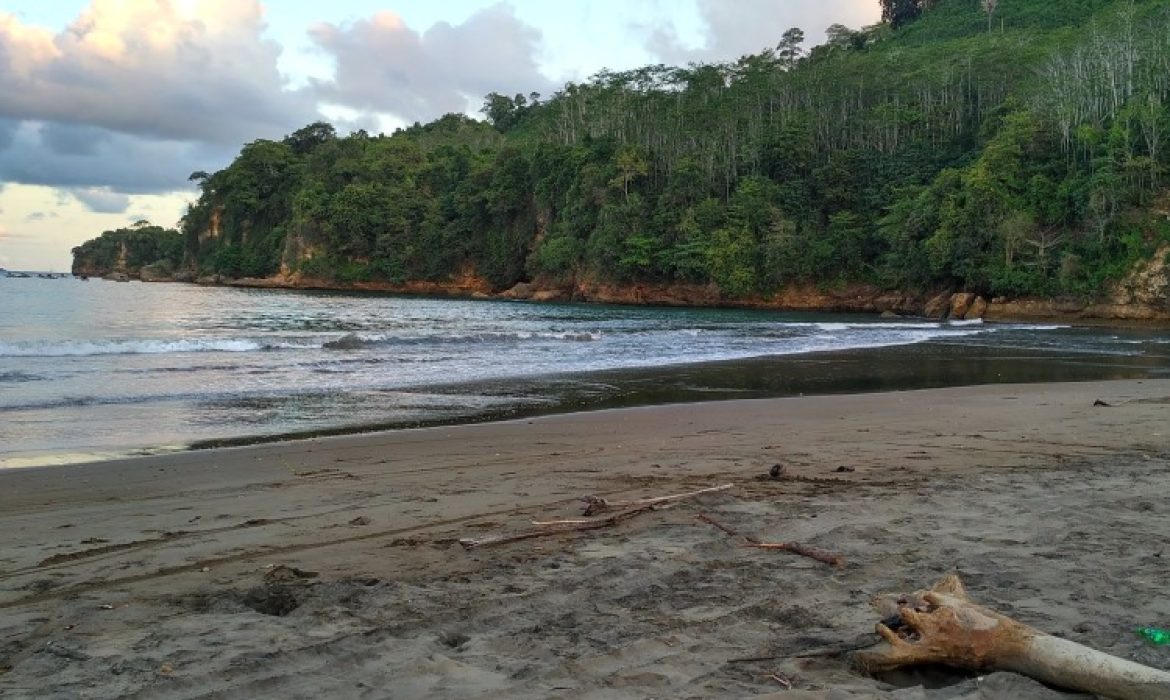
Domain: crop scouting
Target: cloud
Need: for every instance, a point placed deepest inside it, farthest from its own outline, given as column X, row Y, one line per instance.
column 39, row 215
column 7, row 234
column 385, row 66
column 102, row 200
column 7, row 134
column 134, row 95
column 71, row 140
column 734, row 28
column 81, row 156
column 146, row 67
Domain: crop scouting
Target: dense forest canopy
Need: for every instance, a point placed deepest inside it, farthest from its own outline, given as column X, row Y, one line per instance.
column 131, row 249
column 1007, row 147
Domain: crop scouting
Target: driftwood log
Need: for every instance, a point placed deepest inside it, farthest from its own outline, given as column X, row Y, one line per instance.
column 943, row 626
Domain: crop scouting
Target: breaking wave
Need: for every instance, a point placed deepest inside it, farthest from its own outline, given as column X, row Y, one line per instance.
column 126, row 347
column 238, row 345
column 358, row 342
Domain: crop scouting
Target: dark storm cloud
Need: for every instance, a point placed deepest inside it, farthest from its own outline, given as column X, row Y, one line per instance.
column 67, row 139
column 8, row 129
column 123, row 162
column 102, row 201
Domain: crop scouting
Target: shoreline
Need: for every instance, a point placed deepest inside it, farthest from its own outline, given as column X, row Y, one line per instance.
column 168, row 569
column 837, row 372
column 849, row 298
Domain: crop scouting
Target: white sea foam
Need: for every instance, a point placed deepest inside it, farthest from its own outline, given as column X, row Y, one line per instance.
column 364, row 340
column 126, row 347
column 1034, row 327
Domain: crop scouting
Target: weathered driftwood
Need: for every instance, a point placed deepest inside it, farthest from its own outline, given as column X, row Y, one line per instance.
column 834, row 560
column 597, row 504
column 943, row 626
column 545, row 528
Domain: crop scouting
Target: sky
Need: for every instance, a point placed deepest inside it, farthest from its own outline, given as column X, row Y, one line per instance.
column 106, row 106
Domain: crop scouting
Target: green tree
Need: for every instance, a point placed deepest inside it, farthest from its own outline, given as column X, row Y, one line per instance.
column 900, row 12
column 630, row 165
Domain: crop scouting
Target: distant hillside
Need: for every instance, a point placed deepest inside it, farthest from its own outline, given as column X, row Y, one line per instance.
column 1014, row 153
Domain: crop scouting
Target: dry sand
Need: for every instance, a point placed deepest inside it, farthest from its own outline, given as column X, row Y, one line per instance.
column 161, row 576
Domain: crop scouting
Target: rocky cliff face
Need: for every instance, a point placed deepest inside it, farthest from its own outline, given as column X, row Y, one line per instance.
column 854, row 298
column 298, row 248
column 86, row 267
column 1143, row 296
column 1148, row 284
column 213, row 229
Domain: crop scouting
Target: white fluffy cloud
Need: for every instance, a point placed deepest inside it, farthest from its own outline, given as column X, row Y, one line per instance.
column 149, row 68
column 737, row 27
column 385, row 66
column 133, row 95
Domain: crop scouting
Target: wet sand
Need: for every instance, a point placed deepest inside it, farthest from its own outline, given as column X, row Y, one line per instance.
column 331, row 567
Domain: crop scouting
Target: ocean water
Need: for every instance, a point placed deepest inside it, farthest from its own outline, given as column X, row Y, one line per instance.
column 99, row 369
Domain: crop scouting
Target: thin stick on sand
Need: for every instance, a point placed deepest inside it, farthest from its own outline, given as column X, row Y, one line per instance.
column 834, row 560
column 544, row 528
column 596, row 504
column 557, row 527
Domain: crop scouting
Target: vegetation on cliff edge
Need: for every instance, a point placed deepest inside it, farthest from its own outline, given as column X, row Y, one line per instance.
column 1007, row 148
column 129, row 250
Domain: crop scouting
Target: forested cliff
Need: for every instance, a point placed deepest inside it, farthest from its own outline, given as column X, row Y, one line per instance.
column 1010, row 148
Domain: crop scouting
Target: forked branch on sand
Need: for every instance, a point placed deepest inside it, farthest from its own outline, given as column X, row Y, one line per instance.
column 943, row 626
column 554, row 527
column 834, row 560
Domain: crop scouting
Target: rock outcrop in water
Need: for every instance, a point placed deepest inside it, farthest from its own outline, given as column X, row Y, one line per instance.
column 349, row 341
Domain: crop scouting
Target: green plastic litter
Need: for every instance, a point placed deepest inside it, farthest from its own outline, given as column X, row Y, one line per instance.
column 1154, row 635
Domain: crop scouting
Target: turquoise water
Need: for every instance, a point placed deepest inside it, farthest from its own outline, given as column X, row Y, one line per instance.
column 95, row 369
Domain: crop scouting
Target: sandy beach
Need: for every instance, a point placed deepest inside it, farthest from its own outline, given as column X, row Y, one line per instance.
column 331, row 567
